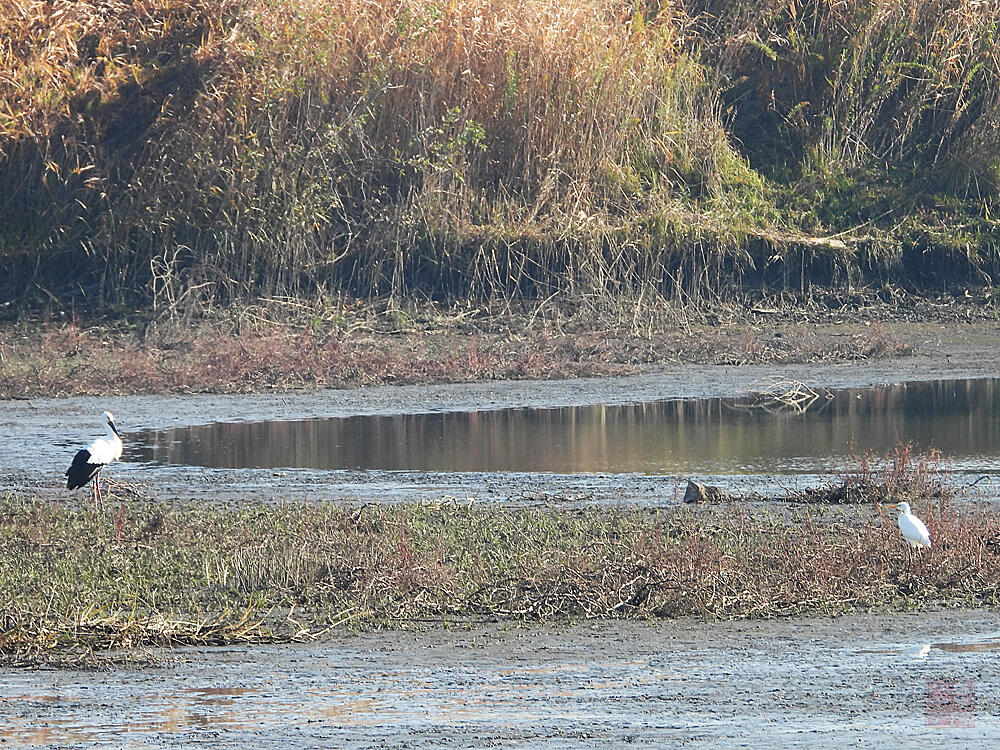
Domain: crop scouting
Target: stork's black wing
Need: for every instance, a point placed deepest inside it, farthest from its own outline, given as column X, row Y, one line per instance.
column 82, row 471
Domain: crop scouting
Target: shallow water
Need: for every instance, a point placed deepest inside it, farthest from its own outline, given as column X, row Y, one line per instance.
column 708, row 436
column 906, row 680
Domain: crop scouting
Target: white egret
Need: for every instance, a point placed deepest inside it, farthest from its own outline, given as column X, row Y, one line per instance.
column 914, row 531
column 89, row 461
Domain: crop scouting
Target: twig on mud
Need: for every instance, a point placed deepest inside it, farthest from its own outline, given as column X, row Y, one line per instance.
column 987, row 477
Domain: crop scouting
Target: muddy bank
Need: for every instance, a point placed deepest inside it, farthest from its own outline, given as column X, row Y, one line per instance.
column 304, row 352
column 927, row 680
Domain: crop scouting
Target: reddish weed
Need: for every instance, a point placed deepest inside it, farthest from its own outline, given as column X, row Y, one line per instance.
column 387, row 564
column 354, row 351
column 895, row 476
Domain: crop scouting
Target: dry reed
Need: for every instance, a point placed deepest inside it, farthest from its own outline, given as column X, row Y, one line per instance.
column 181, row 152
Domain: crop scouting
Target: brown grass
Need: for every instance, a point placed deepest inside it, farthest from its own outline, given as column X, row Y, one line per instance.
column 194, row 574
column 897, row 475
column 223, row 148
column 258, row 350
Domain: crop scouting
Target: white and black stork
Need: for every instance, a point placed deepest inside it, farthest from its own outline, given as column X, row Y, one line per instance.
column 88, row 462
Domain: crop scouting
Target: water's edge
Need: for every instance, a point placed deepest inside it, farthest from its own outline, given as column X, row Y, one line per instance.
column 926, row 679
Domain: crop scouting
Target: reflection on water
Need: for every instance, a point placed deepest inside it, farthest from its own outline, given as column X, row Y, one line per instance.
column 923, row 650
column 966, row 648
column 718, row 436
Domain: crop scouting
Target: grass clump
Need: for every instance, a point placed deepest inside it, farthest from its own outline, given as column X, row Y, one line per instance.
column 158, row 574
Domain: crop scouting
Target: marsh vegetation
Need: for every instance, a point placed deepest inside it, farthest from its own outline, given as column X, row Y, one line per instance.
column 147, row 573
column 188, row 152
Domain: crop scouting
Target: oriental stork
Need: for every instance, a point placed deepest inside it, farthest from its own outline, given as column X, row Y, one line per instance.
column 89, row 461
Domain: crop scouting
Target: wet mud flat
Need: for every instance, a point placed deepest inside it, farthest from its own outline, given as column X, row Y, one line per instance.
column 906, row 680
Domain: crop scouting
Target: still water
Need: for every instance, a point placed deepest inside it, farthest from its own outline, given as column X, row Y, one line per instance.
column 710, row 436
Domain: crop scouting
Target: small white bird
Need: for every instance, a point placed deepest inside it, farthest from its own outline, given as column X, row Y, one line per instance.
column 914, row 531
column 87, row 463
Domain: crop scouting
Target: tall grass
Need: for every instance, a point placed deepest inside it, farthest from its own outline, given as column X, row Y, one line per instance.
column 485, row 148
column 184, row 150
column 880, row 123
column 858, row 84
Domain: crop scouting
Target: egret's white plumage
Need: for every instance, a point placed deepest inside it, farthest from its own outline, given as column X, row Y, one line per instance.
column 914, row 531
column 88, row 462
